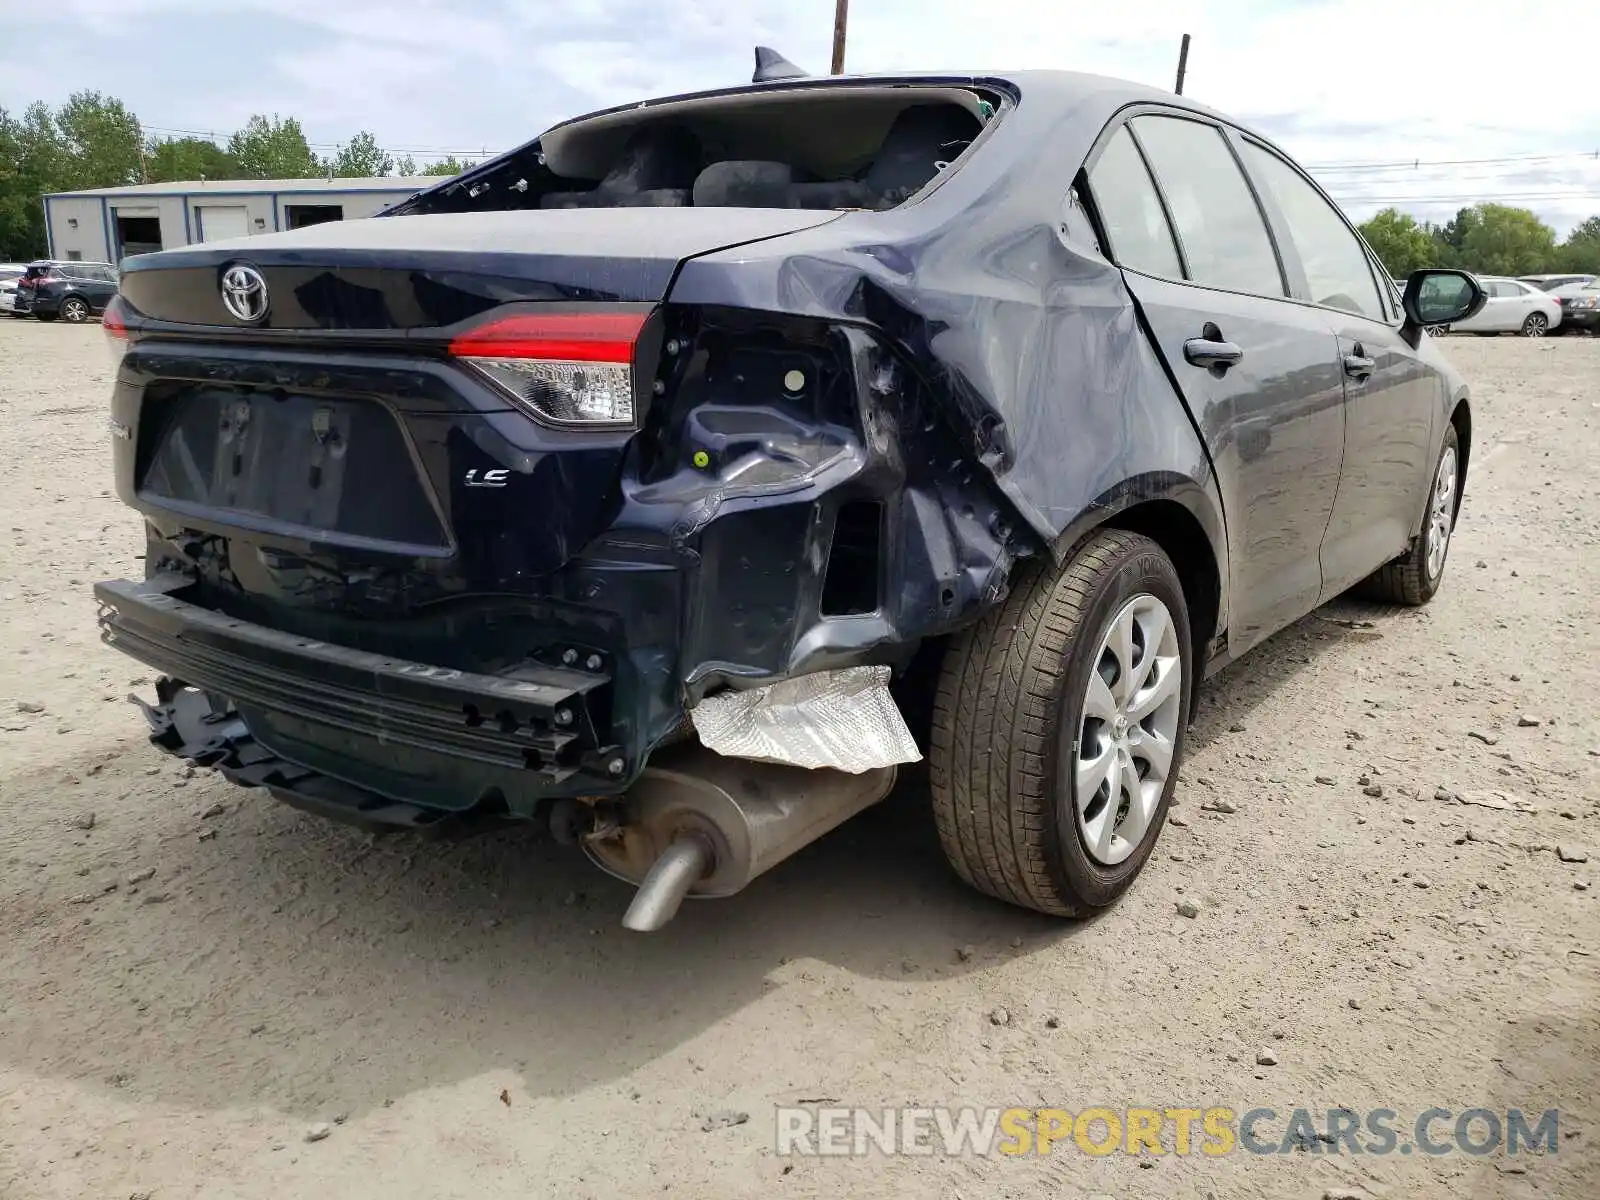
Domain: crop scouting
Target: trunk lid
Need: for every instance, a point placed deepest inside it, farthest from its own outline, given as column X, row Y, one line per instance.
column 435, row 270
column 334, row 453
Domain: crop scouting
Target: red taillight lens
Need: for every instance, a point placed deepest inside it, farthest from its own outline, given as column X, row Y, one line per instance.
column 115, row 319
column 567, row 368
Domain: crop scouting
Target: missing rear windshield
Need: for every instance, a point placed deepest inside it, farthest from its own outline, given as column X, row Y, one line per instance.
column 831, row 148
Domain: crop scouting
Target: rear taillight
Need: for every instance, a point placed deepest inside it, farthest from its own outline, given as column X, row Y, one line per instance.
column 566, row 368
column 115, row 319
column 114, row 322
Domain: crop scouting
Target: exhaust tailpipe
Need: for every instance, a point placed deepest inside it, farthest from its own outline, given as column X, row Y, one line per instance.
column 681, row 865
column 700, row 824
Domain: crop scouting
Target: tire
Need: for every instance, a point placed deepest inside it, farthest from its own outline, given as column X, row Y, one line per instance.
column 1014, row 713
column 74, row 310
column 1536, row 325
column 1414, row 577
column 45, row 316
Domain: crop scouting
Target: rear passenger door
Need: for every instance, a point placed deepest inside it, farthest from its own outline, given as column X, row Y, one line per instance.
column 1261, row 375
column 1394, row 402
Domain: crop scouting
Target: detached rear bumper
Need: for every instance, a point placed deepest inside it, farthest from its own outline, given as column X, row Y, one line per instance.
column 413, row 733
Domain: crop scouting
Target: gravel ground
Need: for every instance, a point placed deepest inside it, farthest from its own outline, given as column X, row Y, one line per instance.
column 192, row 977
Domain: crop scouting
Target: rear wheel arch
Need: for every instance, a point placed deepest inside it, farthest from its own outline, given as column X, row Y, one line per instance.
column 1186, row 524
column 1179, row 533
column 1461, row 418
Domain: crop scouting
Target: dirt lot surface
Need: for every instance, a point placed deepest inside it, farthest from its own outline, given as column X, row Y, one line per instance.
column 193, row 976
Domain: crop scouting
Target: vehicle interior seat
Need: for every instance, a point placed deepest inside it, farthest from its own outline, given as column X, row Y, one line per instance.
column 656, row 169
column 921, row 139
column 917, row 145
column 757, row 183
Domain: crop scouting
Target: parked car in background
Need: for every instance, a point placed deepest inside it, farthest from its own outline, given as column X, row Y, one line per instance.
column 1512, row 307
column 73, row 291
column 9, row 274
column 441, row 507
column 1549, row 283
column 1580, row 306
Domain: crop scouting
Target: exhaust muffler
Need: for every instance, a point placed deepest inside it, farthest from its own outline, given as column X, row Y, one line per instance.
column 701, row 824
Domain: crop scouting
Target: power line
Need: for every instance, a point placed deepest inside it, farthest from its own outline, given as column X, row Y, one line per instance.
column 1478, row 198
column 1415, row 163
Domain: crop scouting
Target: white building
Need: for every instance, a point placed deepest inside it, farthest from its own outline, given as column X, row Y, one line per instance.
column 108, row 224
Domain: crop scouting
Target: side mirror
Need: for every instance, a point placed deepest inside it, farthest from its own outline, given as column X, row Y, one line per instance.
column 1436, row 297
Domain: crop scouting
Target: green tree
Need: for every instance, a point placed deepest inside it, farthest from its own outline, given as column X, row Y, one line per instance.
column 1402, row 245
column 362, row 158
column 1499, row 240
column 1581, row 250
column 1453, row 233
column 273, row 148
column 99, row 139
column 406, row 166
column 186, row 158
column 447, row 166
column 33, row 161
column 16, row 234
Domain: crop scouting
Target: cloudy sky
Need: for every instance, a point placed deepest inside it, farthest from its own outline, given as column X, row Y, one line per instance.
column 1358, row 90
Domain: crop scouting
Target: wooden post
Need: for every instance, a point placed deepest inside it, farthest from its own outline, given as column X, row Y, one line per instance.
column 841, row 14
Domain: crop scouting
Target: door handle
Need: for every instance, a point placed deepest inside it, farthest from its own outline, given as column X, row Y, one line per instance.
column 1211, row 351
column 1357, row 365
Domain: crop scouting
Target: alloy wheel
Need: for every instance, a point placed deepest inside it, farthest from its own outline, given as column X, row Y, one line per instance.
column 1129, row 730
column 1535, row 325
column 74, row 310
column 1441, row 512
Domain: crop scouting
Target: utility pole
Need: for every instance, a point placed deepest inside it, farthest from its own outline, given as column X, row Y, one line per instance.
column 841, row 14
column 1183, row 62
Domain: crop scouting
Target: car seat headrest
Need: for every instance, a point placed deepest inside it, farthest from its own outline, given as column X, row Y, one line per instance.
column 920, row 139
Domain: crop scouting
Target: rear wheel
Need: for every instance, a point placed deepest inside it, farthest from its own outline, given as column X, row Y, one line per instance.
column 1059, row 727
column 1414, row 577
column 75, row 310
column 1536, row 325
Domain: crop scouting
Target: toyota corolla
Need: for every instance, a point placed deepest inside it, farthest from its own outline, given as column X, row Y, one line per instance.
column 674, row 479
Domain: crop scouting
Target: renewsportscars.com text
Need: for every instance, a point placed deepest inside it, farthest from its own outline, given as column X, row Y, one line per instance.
column 1212, row 1131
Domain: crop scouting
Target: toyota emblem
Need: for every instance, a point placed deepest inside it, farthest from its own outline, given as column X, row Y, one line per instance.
column 244, row 292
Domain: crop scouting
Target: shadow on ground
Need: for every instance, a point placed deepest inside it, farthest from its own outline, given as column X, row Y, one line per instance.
column 291, row 951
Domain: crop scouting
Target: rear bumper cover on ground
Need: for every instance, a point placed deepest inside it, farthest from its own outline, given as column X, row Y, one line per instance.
column 417, row 734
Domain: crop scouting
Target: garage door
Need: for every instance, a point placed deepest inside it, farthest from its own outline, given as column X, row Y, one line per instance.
column 219, row 221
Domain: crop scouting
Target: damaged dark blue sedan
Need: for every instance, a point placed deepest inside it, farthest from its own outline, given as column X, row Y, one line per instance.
column 673, row 479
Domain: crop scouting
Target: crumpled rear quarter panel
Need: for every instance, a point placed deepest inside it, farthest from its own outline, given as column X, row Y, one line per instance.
column 993, row 286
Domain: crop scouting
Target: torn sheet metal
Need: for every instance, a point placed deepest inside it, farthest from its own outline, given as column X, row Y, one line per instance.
column 845, row 719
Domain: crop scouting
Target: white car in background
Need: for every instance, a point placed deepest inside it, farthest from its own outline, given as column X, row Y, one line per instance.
column 1512, row 307
column 9, row 274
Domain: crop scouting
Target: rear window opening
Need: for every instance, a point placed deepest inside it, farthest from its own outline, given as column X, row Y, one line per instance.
column 838, row 147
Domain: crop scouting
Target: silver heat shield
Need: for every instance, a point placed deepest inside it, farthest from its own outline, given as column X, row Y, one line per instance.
column 844, row 719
